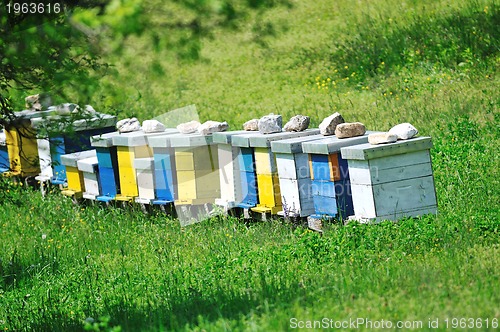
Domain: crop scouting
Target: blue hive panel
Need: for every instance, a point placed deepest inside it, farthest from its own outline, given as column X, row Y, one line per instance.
column 344, row 198
column 320, row 167
column 324, row 205
column 57, row 149
column 249, row 188
column 164, row 184
column 107, row 181
column 323, row 188
column 246, row 160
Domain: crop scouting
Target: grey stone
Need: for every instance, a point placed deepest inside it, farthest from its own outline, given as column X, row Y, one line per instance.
column 38, row 102
column 210, row 127
column 381, row 138
column 350, row 129
column 329, row 124
column 271, row 123
column 251, row 125
column 188, row 127
column 152, row 126
column 297, row 123
column 404, row 131
column 67, row 108
column 128, row 125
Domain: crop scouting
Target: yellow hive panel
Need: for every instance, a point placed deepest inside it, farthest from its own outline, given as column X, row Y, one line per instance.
column 184, row 161
column 125, row 156
column 264, row 161
column 207, row 184
column 143, row 151
column 75, row 179
column 186, row 185
column 269, row 190
column 23, row 151
column 128, row 182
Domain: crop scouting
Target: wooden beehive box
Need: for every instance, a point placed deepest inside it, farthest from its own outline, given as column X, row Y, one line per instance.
column 294, row 176
column 265, row 170
column 90, row 171
column 21, row 141
column 145, row 180
column 232, row 192
column 165, row 175
column 197, row 169
column 129, row 147
column 4, row 153
column 64, row 136
column 391, row 181
column 108, row 165
column 330, row 176
column 76, row 185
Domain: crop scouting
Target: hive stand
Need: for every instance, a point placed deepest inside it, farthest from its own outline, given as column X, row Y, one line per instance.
column 90, row 171
column 4, row 153
column 70, row 137
column 265, row 170
column 197, row 169
column 330, row 185
column 76, row 185
column 107, row 158
column 294, row 176
column 230, row 174
column 391, row 181
column 130, row 146
column 21, row 141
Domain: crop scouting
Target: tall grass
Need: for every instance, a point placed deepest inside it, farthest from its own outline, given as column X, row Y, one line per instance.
column 71, row 267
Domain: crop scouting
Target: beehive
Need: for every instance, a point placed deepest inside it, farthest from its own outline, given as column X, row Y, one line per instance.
column 165, row 176
column 230, row 174
column 294, row 176
column 330, row 176
column 391, row 181
column 262, row 179
column 4, row 154
column 107, row 158
column 76, row 185
column 144, row 168
column 130, row 146
column 66, row 136
column 90, row 171
column 21, row 141
column 197, row 169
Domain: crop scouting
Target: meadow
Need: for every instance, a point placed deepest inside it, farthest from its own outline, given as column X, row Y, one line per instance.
column 435, row 64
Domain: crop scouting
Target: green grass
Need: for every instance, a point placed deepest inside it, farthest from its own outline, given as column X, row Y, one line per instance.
column 62, row 264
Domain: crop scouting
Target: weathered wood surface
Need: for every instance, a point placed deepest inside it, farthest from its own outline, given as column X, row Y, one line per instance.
column 368, row 151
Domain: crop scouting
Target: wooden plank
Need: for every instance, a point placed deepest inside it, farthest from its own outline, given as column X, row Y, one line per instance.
column 145, row 183
column 246, row 160
column 186, row 185
column 225, row 137
column 293, row 166
column 368, row 151
column 229, row 173
column 75, row 179
column 332, row 144
column 137, row 138
column 91, row 183
column 321, row 167
column 363, row 201
column 43, row 155
column 104, row 140
column 72, row 159
column 144, row 164
column 373, row 176
column 404, row 195
column 325, row 205
column 296, row 196
column 22, row 150
column 293, row 145
column 190, row 140
column 264, row 140
column 249, row 190
column 405, row 159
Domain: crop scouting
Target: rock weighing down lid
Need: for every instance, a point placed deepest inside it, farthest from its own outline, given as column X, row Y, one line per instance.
column 264, row 140
column 71, row 159
column 138, row 138
column 293, row 145
column 368, row 151
column 333, row 144
column 87, row 165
